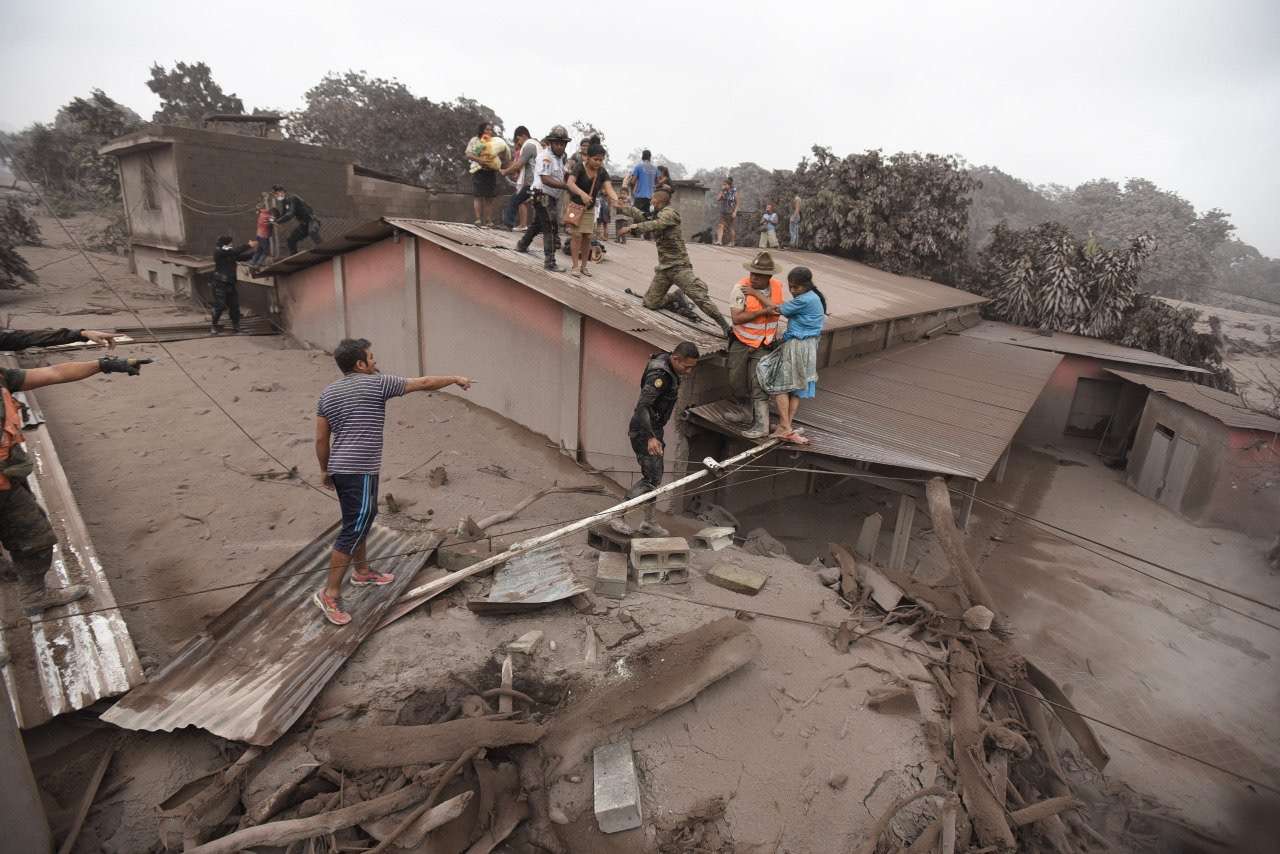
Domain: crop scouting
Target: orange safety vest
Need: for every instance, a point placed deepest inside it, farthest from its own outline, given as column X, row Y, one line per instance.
column 11, row 434
column 763, row 329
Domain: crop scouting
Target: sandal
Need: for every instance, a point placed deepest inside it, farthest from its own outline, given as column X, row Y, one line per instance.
column 794, row 438
column 332, row 610
column 586, row 273
column 378, row 579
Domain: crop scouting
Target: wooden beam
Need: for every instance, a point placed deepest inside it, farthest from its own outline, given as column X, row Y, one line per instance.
column 1003, row 464
column 902, row 531
column 966, row 504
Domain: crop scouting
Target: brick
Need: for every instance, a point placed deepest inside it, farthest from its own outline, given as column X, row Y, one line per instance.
column 606, row 539
column 660, row 560
column 527, row 643
column 714, row 538
column 615, row 634
column 611, row 575
column 617, row 790
column 739, row 579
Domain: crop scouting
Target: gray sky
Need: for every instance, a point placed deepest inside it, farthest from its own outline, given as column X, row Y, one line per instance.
column 1186, row 94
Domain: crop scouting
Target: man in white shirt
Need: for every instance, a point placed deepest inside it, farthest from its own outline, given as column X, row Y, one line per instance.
column 548, row 184
column 521, row 167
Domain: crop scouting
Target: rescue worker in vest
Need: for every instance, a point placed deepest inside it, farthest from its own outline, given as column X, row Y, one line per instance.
column 18, row 339
column 754, row 310
column 25, row 531
column 659, row 388
column 548, row 185
column 674, row 269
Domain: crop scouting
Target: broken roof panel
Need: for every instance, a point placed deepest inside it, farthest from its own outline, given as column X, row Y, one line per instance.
column 949, row 405
column 258, row 665
column 78, row 654
column 1222, row 406
column 1072, row 345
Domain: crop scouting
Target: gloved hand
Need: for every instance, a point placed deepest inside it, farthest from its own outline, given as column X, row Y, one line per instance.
column 116, row 365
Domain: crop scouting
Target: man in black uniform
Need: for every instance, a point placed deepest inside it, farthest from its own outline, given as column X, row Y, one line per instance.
column 290, row 206
column 659, row 388
column 25, row 531
column 225, row 295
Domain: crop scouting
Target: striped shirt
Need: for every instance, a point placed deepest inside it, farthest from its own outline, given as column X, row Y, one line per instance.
column 356, row 409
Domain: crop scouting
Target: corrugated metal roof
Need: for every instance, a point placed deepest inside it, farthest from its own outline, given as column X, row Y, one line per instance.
column 856, row 294
column 70, row 659
column 948, row 405
column 1073, row 345
column 352, row 238
column 258, row 665
column 1219, row 405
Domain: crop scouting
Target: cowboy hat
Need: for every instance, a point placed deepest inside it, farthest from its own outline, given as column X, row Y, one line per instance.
column 762, row 263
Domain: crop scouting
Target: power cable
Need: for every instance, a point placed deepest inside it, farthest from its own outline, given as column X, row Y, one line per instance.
column 649, row 591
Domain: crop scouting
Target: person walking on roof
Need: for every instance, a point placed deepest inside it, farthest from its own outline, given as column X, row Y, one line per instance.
column 790, row 373
column 674, row 269
column 659, row 391
column 756, row 318
column 769, row 228
column 641, row 181
column 290, row 206
column 548, row 185
column 728, row 223
column 350, row 417
column 522, row 167
column 25, row 531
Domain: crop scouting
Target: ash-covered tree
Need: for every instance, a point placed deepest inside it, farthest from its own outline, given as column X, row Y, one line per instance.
column 906, row 213
column 1043, row 277
column 62, row 156
column 17, row 228
column 390, row 129
column 188, row 93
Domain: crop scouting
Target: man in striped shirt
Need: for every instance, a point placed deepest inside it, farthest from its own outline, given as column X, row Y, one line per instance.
column 349, row 422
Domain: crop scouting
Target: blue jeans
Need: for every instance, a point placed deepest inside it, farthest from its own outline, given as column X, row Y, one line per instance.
column 795, row 232
column 513, row 204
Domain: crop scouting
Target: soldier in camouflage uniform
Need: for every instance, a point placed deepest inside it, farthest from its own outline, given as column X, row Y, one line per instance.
column 674, row 269
column 25, row 531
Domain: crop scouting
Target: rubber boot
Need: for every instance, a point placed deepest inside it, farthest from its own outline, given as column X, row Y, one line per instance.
column 36, row 598
column 740, row 414
column 649, row 527
column 760, row 422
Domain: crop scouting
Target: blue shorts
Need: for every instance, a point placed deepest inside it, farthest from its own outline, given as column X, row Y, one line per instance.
column 358, row 498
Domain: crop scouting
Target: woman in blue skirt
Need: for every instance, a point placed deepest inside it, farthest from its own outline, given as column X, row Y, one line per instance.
column 790, row 373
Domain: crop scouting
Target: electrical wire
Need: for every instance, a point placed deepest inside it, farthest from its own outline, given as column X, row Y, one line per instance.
column 649, row 591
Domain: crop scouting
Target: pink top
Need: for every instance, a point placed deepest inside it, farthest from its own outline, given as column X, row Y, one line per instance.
column 264, row 223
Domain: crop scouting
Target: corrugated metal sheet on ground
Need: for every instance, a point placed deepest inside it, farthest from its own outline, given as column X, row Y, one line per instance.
column 258, row 665
column 949, row 405
column 1073, row 345
column 1220, row 405
column 70, row 658
column 530, row 580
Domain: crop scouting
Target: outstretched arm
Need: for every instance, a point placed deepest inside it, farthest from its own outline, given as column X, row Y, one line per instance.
column 69, row 372
column 436, row 383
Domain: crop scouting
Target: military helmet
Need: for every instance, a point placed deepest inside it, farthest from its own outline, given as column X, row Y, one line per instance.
column 557, row 133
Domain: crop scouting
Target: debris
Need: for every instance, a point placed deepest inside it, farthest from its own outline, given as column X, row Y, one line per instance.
column 86, row 800
column 606, row 539
column 418, row 466
column 1071, row 720
column 614, row 634
column 1043, row 810
column 189, row 815
column 591, row 649
column 468, row 528
column 986, row 812
column 978, row 618
column 838, row 781
column 868, row 537
column 438, row 476
column 557, row 816
column 267, row 790
column 370, row 747
column 892, row 699
column 660, row 560
column 506, row 705
column 663, row 676
column 829, row 576
column 280, row 833
column 617, row 791
column 528, row 582
column 495, row 470
column 611, row 575
column 760, row 542
column 511, row 809
column 526, row 644
column 422, row 811
column 398, row 505
column 507, row 515
column 714, row 514
column 715, row 538
column 739, row 579
column 266, row 387
column 870, row 845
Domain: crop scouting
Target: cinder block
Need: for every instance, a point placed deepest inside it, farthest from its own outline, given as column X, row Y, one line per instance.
column 659, row 552
column 739, row 579
column 611, row 575
column 714, row 538
column 605, row 539
column 617, row 790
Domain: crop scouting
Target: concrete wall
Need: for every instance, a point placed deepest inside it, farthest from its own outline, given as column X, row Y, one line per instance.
column 377, row 197
column 610, row 386
column 149, row 181
column 309, row 304
column 377, row 303
column 1228, row 484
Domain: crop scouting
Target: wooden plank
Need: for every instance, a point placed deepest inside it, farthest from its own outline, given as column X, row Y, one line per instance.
column 90, row 792
column 372, row 747
column 902, row 531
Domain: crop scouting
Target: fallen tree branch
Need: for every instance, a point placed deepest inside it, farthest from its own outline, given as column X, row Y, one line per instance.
column 507, row 515
column 280, row 833
column 985, row 809
column 869, row 847
column 508, row 692
column 1043, row 809
column 944, row 525
column 373, row 747
column 449, row 774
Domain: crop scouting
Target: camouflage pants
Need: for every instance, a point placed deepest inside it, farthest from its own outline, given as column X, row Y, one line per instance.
column 742, row 371
column 695, row 289
column 25, row 531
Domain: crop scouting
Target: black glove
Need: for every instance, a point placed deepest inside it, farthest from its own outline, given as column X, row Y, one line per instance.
column 116, row 365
